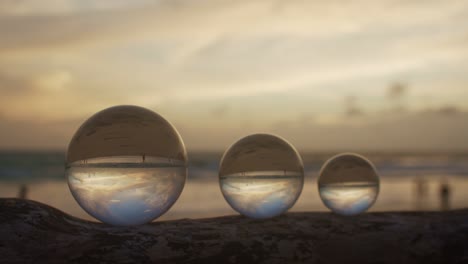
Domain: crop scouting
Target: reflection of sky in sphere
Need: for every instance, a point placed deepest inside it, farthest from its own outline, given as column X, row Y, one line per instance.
column 264, row 195
column 126, row 193
column 348, row 184
column 349, row 199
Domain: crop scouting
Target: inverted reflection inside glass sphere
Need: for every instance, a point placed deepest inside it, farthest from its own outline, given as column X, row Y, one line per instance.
column 262, row 194
column 126, row 165
column 126, row 190
column 251, row 179
column 348, row 184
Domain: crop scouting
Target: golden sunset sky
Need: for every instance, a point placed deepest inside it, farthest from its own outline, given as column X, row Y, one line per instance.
column 386, row 75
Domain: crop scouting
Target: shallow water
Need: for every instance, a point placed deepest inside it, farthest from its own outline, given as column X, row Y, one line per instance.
column 264, row 194
column 125, row 193
column 349, row 198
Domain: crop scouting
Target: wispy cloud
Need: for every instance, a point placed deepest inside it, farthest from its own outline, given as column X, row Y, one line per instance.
column 267, row 60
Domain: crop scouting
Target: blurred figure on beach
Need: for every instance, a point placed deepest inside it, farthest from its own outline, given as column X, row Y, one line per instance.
column 444, row 194
column 420, row 193
column 23, row 191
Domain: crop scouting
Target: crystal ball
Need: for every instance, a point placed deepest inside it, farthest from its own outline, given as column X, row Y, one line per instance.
column 261, row 176
column 348, row 184
column 126, row 165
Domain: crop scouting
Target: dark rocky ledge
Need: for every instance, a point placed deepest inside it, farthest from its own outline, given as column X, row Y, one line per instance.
column 31, row 232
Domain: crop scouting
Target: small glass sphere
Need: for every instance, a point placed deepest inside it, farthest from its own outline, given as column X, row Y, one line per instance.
column 126, row 165
column 348, row 184
column 261, row 176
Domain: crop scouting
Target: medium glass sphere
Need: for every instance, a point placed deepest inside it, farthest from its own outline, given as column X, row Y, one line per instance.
column 261, row 176
column 126, row 165
column 348, row 184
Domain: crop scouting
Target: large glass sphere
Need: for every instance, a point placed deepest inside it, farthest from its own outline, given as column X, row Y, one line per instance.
column 348, row 184
column 126, row 165
column 261, row 176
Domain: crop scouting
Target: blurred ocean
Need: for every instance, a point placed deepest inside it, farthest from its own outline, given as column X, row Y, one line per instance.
column 408, row 182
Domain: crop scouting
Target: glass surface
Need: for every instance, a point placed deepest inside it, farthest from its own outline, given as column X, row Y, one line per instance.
column 126, row 165
column 261, row 176
column 348, row 184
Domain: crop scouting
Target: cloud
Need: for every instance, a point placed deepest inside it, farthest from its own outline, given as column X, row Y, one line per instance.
column 165, row 20
column 71, row 23
column 54, row 81
column 49, row 95
column 27, row 85
column 396, row 94
column 30, row 134
column 396, row 91
column 444, row 128
column 409, row 132
column 13, row 85
column 220, row 111
column 249, row 62
column 52, row 7
column 351, row 107
column 447, row 110
column 42, row 33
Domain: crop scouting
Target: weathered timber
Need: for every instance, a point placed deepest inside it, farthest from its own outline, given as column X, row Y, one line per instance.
column 31, row 232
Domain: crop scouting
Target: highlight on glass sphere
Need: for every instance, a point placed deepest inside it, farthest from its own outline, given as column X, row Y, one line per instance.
column 261, row 176
column 126, row 165
column 348, row 184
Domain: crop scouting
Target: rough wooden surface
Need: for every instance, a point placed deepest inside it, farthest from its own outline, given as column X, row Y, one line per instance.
column 31, row 232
